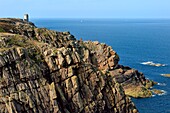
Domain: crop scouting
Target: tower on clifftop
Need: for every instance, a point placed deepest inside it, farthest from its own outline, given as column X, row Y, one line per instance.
column 26, row 17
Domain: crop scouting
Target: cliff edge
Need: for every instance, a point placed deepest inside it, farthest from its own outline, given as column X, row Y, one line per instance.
column 44, row 71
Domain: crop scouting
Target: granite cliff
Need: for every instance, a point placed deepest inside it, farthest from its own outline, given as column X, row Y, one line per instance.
column 44, row 71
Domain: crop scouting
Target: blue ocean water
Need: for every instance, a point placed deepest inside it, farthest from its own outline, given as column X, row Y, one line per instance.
column 136, row 41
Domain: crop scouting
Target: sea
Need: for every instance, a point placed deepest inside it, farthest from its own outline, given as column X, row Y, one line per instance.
column 138, row 42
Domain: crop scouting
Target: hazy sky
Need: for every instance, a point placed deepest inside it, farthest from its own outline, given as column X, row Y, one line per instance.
column 86, row 8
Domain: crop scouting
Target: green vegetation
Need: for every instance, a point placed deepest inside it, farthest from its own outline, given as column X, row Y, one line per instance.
column 35, row 38
column 46, row 34
column 2, row 30
column 35, row 55
column 40, row 30
column 16, row 40
column 4, row 49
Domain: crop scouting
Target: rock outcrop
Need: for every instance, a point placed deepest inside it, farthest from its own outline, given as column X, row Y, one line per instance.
column 134, row 83
column 44, row 71
column 166, row 75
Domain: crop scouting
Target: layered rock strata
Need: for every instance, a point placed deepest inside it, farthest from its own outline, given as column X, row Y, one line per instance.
column 44, row 71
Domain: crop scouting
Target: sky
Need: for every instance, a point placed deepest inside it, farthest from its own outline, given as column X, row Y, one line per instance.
column 85, row 8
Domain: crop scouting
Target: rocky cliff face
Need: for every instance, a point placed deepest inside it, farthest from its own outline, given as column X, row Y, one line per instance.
column 47, row 71
column 134, row 83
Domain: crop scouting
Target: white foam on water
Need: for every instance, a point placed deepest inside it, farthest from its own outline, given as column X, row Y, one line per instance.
column 146, row 63
column 153, row 95
column 151, row 63
column 161, row 84
column 164, row 93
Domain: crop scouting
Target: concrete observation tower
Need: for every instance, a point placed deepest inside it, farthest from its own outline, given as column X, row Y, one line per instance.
column 26, row 17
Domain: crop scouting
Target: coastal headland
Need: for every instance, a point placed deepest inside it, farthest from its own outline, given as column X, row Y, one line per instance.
column 48, row 71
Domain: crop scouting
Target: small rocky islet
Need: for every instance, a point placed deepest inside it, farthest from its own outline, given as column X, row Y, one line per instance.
column 166, row 75
column 47, row 71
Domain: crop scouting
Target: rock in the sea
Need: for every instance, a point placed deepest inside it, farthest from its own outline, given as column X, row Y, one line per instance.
column 166, row 75
column 158, row 92
column 138, row 92
column 45, row 71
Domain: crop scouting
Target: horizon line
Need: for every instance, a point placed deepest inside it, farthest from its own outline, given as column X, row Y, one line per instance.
column 95, row 18
column 91, row 17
